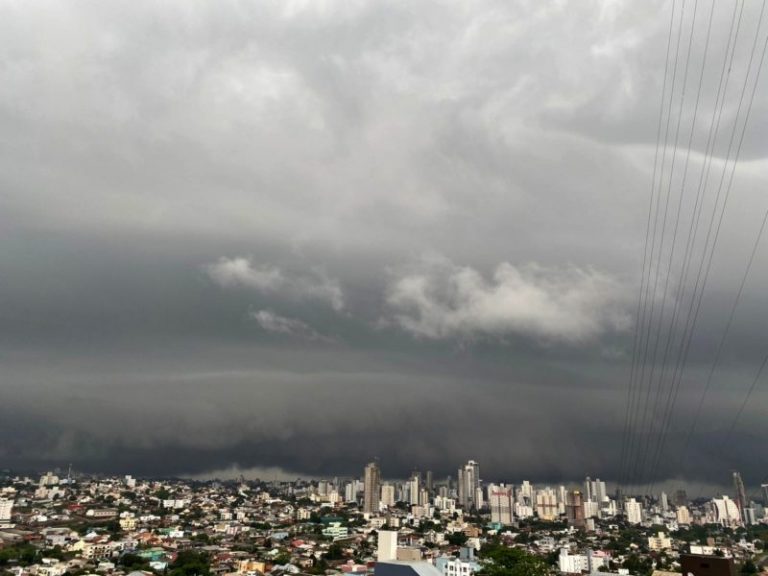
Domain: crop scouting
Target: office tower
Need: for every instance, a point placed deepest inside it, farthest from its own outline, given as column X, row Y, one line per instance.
column 664, row 502
column 574, row 509
column 371, row 488
column 634, row 511
column 741, row 496
column 469, row 482
column 764, row 488
column 428, row 481
column 500, row 502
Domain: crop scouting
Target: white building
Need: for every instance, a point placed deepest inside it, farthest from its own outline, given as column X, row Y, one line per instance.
column 387, row 546
column 683, row 515
column 659, row 542
column 500, row 501
column 450, row 566
column 725, row 512
column 634, row 511
column 546, row 504
column 468, row 483
column 387, row 495
column 6, row 510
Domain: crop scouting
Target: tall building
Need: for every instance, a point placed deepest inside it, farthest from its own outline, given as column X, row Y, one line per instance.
column 414, row 490
column 664, row 502
column 371, row 488
column 574, row 509
column 469, row 482
column 683, row 515
column 428, row 481
column 500, row 501
column 546, row 504
column 388, row 495
column 634, row 511
column 741, row 495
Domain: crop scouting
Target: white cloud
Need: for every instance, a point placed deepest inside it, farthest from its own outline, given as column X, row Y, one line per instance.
column 229, row 272
column 570, row 304
column 271, row 322
column 240, row 271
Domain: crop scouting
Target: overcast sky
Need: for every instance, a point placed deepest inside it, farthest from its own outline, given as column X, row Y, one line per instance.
column 301, row 235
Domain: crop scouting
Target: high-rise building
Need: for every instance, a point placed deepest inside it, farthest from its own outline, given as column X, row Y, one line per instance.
column 388, row 495
column 371, row 488
column 500, row 499
column 664, row 502
column 681, row 498
column 683, row 515
column 574, row 509
column 469, row 482
column 741, row 495
column 634, row 511
column 546, row 504
column 428, row 481
column 413, row 490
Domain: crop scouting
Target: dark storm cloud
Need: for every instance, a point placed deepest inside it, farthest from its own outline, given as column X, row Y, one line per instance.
column 306, row 234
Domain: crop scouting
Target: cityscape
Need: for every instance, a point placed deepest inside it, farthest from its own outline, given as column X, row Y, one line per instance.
column 383, row 287
column 64, row 524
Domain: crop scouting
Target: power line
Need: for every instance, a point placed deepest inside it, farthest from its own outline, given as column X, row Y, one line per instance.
column 641, row 301
column 673, row 398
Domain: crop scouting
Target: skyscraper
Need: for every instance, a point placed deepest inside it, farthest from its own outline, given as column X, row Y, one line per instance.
column 414, row 489
column 500, row 501
column 741, row 495
column 574, row 509
column 371, row 488
column 469, row 482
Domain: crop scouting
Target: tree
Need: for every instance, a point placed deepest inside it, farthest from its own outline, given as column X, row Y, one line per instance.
column 457, row 539
column 749, row 567
column 503, row 561
column 190, row 563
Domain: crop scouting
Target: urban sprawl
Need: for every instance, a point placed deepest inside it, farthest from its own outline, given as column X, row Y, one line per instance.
column 62, row 524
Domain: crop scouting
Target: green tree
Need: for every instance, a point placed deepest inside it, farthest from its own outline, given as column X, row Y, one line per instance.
column 503, row 561
column 190, row 563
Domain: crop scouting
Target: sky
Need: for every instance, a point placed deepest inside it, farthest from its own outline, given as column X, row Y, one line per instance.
column 297, row 236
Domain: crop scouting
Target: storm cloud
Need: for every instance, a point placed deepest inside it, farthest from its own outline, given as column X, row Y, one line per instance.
column 306, row 234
